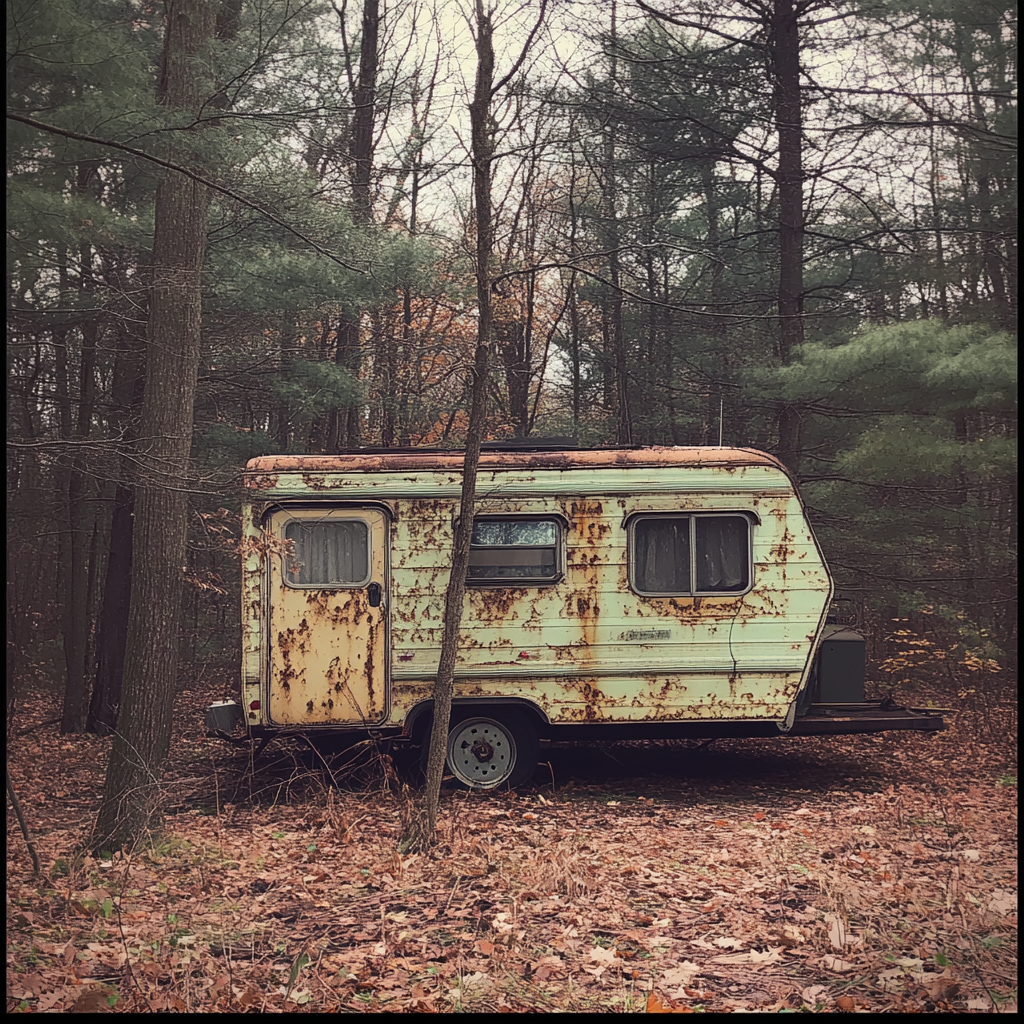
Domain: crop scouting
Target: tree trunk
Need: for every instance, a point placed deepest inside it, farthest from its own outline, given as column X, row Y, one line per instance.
column 483, row 153
column 513, row 347
column 112, row 620
column 937, row 227
column 286, row 354
column 73, row 573
column 29, row 556
column 784, row 54
column 17, row 639
column 112, row 629
column 624, row 419
column 364, row 115
column 408, row 359
column 575, row 368
column 80, row 525
column 344, row 422
column 161, row 500
column 75, row 617
column 345, row 427
column 617, row 338
column 79, row 517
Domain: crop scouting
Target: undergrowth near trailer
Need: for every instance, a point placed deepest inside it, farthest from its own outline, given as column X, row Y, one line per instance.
column 863, row 872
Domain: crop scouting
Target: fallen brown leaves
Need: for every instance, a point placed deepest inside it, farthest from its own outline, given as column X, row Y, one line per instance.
column 861, row 873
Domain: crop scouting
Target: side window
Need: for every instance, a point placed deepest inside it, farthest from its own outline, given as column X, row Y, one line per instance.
column 328, row 553
column 690, row 555
column 517, row 550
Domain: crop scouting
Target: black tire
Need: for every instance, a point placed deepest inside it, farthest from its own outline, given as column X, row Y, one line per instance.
column 490, row 749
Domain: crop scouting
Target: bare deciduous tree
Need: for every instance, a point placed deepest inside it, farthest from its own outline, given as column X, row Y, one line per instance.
column 482, row 153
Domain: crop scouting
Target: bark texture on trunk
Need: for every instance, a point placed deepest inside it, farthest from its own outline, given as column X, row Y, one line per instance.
column 161, row 499
column 784, row 52
column 345, row 428
column 365, row 100
column 112, row 629
column 483, row 154
column 112, row 619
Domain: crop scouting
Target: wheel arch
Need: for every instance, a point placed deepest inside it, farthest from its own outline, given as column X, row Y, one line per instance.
column 420, row 715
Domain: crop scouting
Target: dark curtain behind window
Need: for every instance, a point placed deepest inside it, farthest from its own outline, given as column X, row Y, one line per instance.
column 662, row 548
column 721, row 553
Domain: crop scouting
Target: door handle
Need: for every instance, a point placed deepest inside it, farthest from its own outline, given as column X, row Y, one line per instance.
column 374, row 593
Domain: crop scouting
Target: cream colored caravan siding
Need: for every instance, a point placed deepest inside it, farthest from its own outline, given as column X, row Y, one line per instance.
column 588, row 648
column 254, row 570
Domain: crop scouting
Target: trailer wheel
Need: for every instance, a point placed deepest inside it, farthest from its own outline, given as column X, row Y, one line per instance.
column 488, row 753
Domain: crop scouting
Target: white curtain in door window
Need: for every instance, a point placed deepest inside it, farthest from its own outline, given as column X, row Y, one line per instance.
column 328, row 553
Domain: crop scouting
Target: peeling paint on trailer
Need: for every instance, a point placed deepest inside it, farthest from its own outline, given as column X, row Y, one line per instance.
column 327, row 651
column 584, row 647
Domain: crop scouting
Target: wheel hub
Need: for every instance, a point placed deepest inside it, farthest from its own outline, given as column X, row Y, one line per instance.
column 482, row 750
column 481, row 753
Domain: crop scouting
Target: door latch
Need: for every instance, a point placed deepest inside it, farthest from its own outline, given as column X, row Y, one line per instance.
column 374, row 593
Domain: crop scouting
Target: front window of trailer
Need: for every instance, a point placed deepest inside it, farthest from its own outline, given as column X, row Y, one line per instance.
column 690, row 555
column 515, row 550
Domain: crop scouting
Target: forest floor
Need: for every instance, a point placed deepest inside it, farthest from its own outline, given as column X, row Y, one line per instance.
column 872, row 873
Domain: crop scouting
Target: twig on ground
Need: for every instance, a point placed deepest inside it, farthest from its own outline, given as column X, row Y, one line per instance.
column 36, row 867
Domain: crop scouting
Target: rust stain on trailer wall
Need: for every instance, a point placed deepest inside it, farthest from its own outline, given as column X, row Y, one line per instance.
column 574, row 647
column 261, row 481
column 497, row 604
column 784, row 547
column 327, row 658
column 586, row 573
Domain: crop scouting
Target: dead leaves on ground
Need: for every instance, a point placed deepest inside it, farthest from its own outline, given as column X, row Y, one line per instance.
column 690, row 896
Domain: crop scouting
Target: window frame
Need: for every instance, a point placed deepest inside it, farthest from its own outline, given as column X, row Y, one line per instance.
column 749, row 517
column 521, row 581
column 327, row 520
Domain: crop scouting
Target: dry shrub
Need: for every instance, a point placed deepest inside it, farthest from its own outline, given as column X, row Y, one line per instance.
column 556, row 868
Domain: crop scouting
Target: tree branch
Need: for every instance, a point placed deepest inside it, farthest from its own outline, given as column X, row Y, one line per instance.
column 526, row 49
column 143, row 155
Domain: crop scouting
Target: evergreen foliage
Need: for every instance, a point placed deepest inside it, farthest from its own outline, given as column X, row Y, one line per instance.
column 917, row 491
column 636, row 274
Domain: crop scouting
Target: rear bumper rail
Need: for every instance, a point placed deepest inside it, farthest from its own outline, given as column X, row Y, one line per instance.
column 871, row 716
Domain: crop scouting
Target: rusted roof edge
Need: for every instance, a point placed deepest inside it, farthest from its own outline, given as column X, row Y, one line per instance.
column 408, row 460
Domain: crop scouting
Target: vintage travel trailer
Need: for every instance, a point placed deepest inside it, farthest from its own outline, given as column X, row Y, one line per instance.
column 614, row 593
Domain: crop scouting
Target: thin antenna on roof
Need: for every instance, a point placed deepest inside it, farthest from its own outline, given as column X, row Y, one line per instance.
column 721, row 407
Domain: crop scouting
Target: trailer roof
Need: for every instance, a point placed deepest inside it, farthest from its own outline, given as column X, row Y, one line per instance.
column 425, row 459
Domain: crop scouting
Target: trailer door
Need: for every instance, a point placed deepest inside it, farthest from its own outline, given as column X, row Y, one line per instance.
column 328, row 618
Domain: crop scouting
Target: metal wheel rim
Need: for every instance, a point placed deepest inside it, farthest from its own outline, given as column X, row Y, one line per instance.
column 464, row 748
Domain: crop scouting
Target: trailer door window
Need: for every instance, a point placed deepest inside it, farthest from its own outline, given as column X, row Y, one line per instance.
column 523, row 550
column 328, row 553
column 690, row 555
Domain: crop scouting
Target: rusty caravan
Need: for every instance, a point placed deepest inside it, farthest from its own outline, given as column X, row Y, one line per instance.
column 625, row 593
